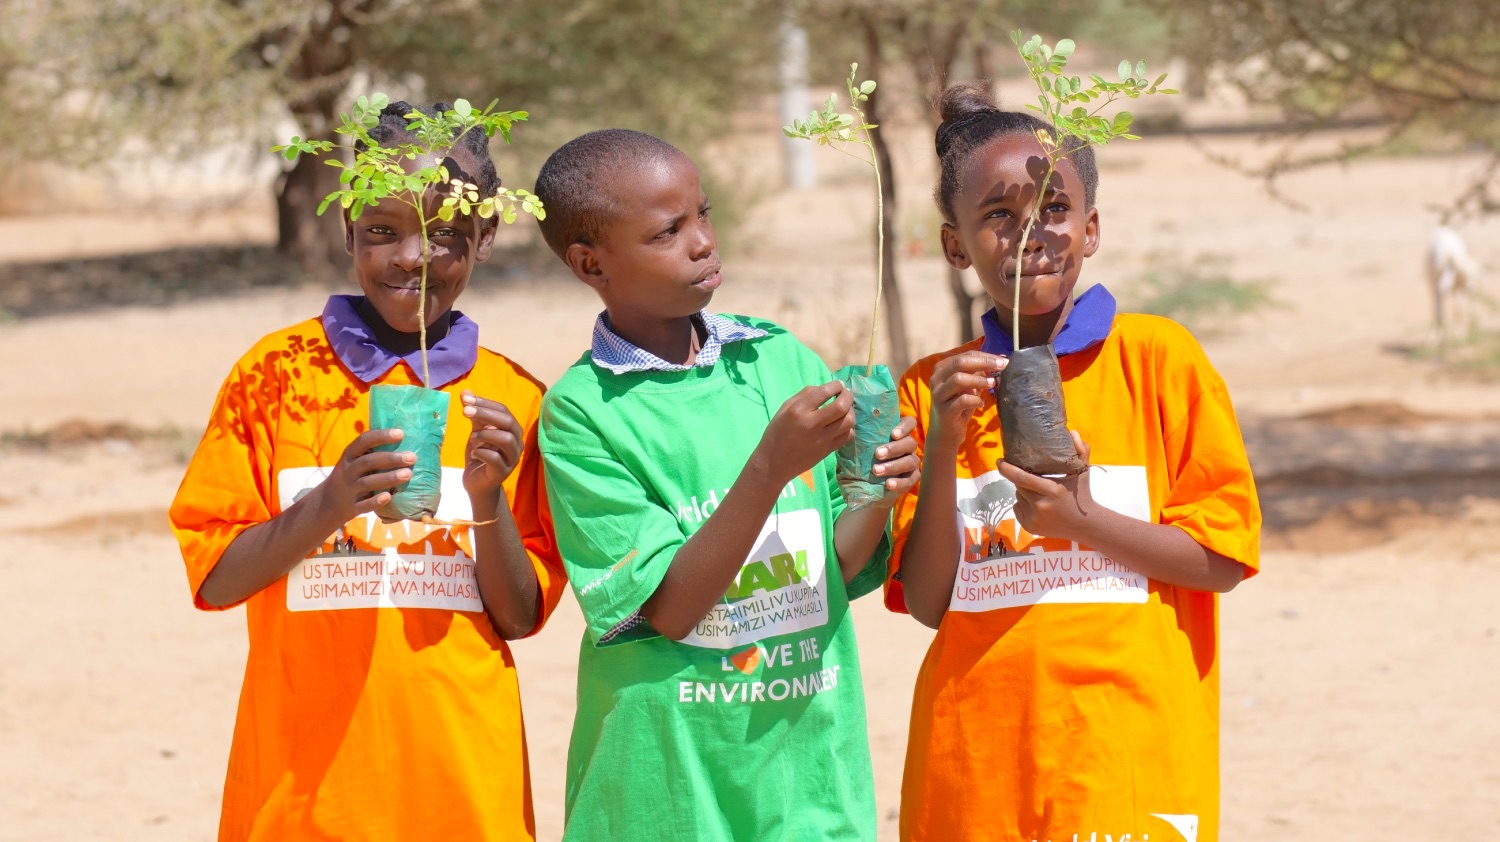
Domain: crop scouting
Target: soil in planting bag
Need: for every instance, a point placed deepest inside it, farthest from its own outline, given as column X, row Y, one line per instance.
column 876, row 413
column 1033, row 422
column 422, row 414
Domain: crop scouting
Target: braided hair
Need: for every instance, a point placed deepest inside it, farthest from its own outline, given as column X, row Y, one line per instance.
column 575, row 183
column 473, row 144
column 971, row 118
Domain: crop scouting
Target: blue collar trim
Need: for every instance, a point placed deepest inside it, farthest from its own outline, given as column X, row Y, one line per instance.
column 1087, row 325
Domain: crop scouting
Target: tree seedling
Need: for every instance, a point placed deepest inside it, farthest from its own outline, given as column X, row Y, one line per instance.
column 875, row 403
column 378, row 173
column 1032, row 419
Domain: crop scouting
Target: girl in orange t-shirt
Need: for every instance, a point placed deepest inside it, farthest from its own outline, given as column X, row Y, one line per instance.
column 1072, row 690
column 380, row 700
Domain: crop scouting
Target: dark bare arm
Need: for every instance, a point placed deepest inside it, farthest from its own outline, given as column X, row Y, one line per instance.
column 508, row 585
column 267, row 551
column 1066, row 509
column 930, row 560
column 810, row 425
column 857, row 534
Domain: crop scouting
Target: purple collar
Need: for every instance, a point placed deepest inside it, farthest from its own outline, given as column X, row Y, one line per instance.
column 1088, row 324
column 451, row 358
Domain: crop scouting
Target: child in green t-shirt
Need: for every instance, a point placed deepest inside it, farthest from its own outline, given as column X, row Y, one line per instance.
column 689, row 468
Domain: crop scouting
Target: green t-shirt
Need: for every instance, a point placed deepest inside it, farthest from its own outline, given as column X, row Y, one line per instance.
column 753, row 727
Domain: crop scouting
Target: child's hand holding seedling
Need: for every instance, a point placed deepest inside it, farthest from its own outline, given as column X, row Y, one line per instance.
column 897, row 463
column 494, row 447
column 1059, row 507
column 809, row 425
column 361, row 480
column 959, row 385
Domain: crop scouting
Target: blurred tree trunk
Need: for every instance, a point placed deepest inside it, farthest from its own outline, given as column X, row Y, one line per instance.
column 321, row 58
column 895, row 309
column 931, row 57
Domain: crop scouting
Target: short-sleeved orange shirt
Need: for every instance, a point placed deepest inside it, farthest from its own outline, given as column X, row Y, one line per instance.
column 1065, row 693
column 378, row 702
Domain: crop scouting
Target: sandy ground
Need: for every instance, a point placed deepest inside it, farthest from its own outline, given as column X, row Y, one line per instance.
column 1359, row 670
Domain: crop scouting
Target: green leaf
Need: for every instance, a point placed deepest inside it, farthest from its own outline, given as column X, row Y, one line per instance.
column 1064, row 47
column 462, row 108
column 1125, row 69
column 509, row 214
column 1140, row 69
column 327, row 200
column 867, row 86
column 1122, row 122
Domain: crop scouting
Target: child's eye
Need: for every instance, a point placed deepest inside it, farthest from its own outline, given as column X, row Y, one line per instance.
column 703, row 214
column 1000, row 213
column 1057, row 207
column 379, row 231
column 667, row 233
column 445, row 232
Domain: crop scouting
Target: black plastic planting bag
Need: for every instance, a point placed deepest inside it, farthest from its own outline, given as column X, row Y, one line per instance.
column 876, row 412
column 422, row 414
column 1033, row 422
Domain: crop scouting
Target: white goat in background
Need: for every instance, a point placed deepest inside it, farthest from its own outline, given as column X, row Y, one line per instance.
column 1453, row 278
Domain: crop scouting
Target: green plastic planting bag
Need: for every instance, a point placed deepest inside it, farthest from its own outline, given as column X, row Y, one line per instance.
column 422, row 414
column 876, row 412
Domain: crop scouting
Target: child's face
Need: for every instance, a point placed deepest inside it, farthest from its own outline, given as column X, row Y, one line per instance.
column 999, row 185
column 386, row 243
column 657, row 259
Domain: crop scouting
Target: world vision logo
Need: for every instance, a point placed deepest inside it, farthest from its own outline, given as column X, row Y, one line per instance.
column 1186, row 825
column 769, row 574
column 697, row 508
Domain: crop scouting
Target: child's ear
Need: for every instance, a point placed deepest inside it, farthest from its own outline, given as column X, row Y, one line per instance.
column 584, row 262
column 348, row 233
column 1091, row 233
column 487, row 230
column 953, row 249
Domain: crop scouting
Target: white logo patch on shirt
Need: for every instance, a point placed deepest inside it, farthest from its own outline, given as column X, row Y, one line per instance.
column 780, row 589
column 991, row 575
column 369, row 564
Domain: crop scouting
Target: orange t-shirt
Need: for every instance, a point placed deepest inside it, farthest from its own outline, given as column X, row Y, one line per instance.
column 1064, row 693
column 378, row 702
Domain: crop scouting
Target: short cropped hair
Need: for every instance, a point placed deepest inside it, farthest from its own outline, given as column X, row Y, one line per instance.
column 575, row 183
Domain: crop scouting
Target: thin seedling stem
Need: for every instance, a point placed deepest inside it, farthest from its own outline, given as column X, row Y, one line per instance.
column 879, row 243
column 1036, row 211
column 422, row 296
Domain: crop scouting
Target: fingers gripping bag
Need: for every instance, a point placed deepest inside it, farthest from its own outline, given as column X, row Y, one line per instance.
column 876, row 413
column 422, row 414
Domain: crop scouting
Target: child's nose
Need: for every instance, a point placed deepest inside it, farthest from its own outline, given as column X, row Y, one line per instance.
column 408, row 254
column 705, row 242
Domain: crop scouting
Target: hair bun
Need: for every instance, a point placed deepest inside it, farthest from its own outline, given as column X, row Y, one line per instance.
column 962, row 106
column 966, row 98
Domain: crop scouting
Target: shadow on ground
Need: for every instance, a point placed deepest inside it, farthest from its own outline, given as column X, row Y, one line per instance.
column 173, row 276
column 1360, row 475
